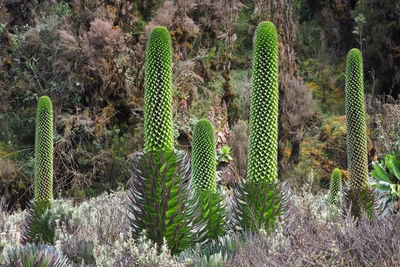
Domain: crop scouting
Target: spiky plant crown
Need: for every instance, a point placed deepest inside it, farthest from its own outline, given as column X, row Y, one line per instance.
column 263, row 141
column 257, row 205
column 161, row 201
column 35, row 255
column 204, row 156
column 158, row 92
column 357, row 157
column 335, row 188
column 43, row 184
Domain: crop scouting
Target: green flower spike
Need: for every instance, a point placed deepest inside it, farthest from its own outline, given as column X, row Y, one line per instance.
column 204, row 156
column 38, row 227
column 205, row 178
column 335, row 191
column 263, row 141
column 43, row 184
column 357, row 157
column 158, row 127
column 161, row 199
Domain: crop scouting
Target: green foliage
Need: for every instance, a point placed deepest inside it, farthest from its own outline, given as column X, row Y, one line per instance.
column 335, row 189
column 213, row 253
column 357, row 157
column 363, row 201
column 387, row 180
column 213, row 211
column 224, row 154
column 204, row 157
column 258, row 205
column 360, row 21
column 35, row 255
column 161, row 201
column 39, row 224
column 43, row 185
column 263, row 141
column 158, row 127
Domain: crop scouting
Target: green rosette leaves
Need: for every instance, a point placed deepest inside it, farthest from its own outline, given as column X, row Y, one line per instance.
column 263, row 140
column 357, row 157
column 204, row 156
column 39, row 225
column 158, row 128
column 258, row 205
column 43, row 184
column 335, row 187
column 161, row 202
column 213, row 209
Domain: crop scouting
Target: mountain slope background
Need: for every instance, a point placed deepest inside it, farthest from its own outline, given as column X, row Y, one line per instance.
column 88, row 57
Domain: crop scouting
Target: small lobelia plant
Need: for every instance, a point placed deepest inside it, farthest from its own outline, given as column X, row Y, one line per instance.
column 35, row 255
column 37, row 225
column 360, row 195
column 204, row 178
column 261, row 200
column 335, row 188
column 161, row 202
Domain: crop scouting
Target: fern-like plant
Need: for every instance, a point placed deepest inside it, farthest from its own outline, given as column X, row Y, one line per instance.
column 335, row 187
column 357, row 154
column 37, row 224
column 263, row 140
column 262, row 199
column 204, row 178
column 161, row 202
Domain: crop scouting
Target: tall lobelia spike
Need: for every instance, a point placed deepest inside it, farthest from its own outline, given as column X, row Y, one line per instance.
column 357, row 157
column 161, row 201
column 158, row 129
column 37, row 225
column 261, row 200
column 263, row 141
column 43, row 184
